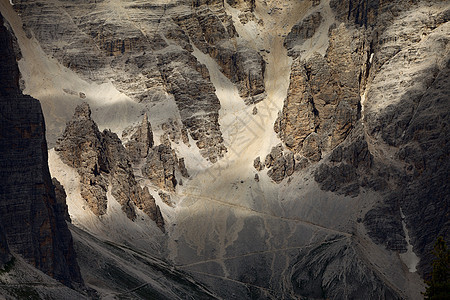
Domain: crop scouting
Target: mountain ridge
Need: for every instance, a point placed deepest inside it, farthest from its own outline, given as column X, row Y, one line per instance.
column 301, row 126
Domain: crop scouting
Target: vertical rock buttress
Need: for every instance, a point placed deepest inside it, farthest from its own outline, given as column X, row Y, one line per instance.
column 28, row 207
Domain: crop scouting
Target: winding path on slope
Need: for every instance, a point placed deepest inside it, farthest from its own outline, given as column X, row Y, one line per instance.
column 265, row 214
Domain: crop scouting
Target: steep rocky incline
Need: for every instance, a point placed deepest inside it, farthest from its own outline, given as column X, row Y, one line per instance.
column 325, row 265
column 103, row 162
column 30, row 214
column 373, row 108
column 323, row 102
column 280, row 149
column 212, row 31
column 145, row 50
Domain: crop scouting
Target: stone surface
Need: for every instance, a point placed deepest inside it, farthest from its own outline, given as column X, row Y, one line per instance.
column 257, row 164
column 176, row 131
column 124, row 187
column 363, row 132
column 160, row 167
column 165, row 198
column 319, row 272
column 147, row 204
column 280, row 164
column 82, row 146
column 378, row 84
column 302, row 31
column 60, row 195
column 99, row 44
column 212, row 31
column 188, row 81
column 103, row 162
column 323, row 96
column 31, row 217
column 141, row 141
column 182, row 167
column 347, row 166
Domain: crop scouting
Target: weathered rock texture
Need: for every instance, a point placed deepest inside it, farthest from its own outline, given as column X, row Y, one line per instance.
column 30, row 215
column 83, row 147
column 280, row 164
column 195, row 96
column 160, row 167
column 103, row 162
column 212, row 31
column 347, row 169
column 303, row 30
column 375, row 108
column 147, row 204
column 158, row 163
column 101, row 42
column 323, row 102
column 415, row 117
column 364, row 132
column 141, row 141
column 176, row 131
column 320, row 270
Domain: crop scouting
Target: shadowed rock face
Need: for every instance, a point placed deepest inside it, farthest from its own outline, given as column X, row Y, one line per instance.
column 310, row 278
column 30, row 216
column 363, row 130
column 302, row 31
column 375, row 103
column 5, row 254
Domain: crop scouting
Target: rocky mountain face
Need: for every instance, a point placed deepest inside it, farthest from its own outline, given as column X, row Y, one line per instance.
column 102, row 162
column 157, row 57
column 32, row 220
column 382, row 81
column 267, row 149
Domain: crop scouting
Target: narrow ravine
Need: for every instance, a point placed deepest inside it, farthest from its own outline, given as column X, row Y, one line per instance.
column 409, row 258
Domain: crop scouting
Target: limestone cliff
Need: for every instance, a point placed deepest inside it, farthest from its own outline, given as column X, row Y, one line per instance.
column 30, row 217
column 374, row 101
column 286, row 149
column 103, row 162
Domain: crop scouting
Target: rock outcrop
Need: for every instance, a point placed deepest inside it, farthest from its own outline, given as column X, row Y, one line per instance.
column 281, row 164
column 95, row 41
column 159, row 164
column 414, row 118
column 329, row 271
column 103, row 163
column 32, row 222
column 83, row 147
column 347, row 168
column 188, row 81
column 324, row 96
column 374, row 103
column 147, row 204
column 160, row 167
column 302, row 31
column 212, row 31
column 176, row 132
column 141, row 141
